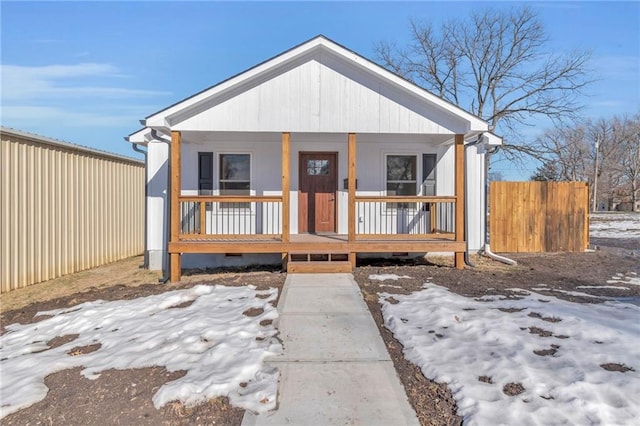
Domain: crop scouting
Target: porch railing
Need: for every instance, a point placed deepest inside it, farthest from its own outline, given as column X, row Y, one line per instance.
column 230, row 217
column 403, row 217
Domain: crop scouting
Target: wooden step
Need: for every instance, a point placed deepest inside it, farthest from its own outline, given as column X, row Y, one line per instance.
column 318, row 267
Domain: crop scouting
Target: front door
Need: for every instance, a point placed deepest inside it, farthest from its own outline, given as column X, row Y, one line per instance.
column 318, row 185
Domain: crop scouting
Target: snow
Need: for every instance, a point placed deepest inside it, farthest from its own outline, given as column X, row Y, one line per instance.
column 614, row 287
column 384, row 277
column 630, row 278
column 457, row 340
column 614, row 225
column 211, row 339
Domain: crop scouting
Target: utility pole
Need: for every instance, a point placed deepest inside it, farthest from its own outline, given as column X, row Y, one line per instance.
column 595, row 176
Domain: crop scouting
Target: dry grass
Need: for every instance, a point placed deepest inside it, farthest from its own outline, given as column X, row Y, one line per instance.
column 121, row 272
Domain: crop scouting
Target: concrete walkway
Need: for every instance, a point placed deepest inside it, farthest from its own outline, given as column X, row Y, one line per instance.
column 335, row 369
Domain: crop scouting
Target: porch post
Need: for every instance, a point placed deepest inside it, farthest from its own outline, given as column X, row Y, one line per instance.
column 286, row 186
column 459, row 188
column 286, row 196
column 351, row 213
column 174, row 167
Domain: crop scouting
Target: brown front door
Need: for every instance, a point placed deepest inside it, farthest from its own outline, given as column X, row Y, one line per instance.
column 318, row 184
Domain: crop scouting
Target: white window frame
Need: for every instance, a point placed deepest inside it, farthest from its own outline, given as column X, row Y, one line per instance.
column 217, row 171
column 418, row 172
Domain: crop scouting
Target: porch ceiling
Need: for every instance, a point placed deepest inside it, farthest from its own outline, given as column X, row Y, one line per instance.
column 204, row 137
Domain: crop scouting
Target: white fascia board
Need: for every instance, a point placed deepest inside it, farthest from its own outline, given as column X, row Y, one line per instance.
column 161, row 119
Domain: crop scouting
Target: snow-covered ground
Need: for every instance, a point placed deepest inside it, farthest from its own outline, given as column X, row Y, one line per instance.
column 480, row 346
column 614, row 225
column 211, row 338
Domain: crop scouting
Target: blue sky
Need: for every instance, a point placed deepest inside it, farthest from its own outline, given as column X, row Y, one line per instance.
column 86, row 72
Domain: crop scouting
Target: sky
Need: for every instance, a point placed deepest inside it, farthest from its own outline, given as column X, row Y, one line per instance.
column 87, row 72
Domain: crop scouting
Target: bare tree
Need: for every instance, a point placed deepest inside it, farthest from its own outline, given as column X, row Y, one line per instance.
column 603, row 152
column 565, row 153
column 629, row 160
column 495, row 176
column 494, row 64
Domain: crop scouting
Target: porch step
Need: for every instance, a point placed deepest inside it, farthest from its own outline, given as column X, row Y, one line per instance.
column 315, row 267
column 318, row 262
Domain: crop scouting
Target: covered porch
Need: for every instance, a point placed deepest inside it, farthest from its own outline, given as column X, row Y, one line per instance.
column 259, row 223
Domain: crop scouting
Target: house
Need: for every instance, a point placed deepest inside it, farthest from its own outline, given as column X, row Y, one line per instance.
column 312, row 158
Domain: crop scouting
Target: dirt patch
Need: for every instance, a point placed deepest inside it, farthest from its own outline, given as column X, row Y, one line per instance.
column 543, row 272
column 485, row 379
column 612, row 366
column 253, row 312
column 547, row 352
column 547, row 319
column 511, row 310
column 513, row 389
column 118, row 397
column 122, row 271
column 62, row 340
column 86, row 349
column 182, row 305
column 540, row 332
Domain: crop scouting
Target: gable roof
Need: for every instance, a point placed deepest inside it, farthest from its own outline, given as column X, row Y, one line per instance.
column 234, row 86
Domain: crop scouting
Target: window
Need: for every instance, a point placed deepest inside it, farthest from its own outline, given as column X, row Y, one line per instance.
column 205, row 173
column 318, row 167
column 401, row 176
column 235, row 177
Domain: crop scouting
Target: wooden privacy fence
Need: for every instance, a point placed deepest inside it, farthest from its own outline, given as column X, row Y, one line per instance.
column 539, row 216
column 64, row 208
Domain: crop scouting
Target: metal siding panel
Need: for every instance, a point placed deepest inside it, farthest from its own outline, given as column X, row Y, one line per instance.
column 64, row 211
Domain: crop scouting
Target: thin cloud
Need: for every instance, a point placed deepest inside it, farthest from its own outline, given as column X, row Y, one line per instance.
column 25, row 116
column 65, row 81
column 618, row 66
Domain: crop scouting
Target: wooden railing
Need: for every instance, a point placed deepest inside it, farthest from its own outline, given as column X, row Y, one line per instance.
column 231, row 217
column 405, row 217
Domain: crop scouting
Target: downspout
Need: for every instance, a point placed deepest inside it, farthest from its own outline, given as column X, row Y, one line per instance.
column 486, row 250
column 467, row 259
column 167, row 265
column 136, row 148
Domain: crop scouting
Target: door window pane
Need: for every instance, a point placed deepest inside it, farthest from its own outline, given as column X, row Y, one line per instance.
column 318, row 167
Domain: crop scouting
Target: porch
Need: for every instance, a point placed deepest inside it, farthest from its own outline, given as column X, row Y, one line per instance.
column 238, row 224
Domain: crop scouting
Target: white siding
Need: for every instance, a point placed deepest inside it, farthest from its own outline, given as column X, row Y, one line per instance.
column 320, row 93
column 157, row 227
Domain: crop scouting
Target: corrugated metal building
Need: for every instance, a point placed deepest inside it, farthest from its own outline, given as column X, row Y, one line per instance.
column 65, row 208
